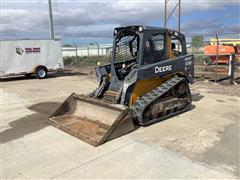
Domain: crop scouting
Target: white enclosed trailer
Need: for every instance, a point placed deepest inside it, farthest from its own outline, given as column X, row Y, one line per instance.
column 30, row 57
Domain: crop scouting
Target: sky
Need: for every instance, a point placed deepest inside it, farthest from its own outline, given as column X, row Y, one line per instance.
column 88, row 21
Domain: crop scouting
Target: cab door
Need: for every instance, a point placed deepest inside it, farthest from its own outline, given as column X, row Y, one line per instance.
column 154, row 48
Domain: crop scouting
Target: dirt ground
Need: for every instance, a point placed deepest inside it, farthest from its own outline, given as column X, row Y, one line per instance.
column 202, row 143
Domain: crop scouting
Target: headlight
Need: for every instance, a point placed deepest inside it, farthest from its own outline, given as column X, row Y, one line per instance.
column 140, row 28
column 115, row 31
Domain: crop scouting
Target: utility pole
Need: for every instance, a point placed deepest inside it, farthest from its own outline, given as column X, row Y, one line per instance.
column 50, row 19
column 166, row 17
column 179, row 16
column 165, row 14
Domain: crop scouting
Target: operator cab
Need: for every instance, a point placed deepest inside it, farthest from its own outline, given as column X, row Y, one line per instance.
column 137, row 47
column 140, row 46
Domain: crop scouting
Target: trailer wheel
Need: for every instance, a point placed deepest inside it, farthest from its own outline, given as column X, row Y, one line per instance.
column 41, row 73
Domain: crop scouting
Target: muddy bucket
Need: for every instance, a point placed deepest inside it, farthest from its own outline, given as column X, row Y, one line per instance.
column 92, row 120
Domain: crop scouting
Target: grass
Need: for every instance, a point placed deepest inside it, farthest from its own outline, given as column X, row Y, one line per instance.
column 86, row 61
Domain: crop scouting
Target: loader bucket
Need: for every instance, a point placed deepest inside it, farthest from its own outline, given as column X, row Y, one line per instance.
column 92, row 120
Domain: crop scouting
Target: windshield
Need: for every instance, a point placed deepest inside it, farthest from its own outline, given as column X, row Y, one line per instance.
column 127, row 46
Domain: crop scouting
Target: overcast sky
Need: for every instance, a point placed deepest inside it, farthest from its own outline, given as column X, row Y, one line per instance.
column 85, row 20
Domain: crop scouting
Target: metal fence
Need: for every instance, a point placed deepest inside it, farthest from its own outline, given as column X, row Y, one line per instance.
column 216, row 62
column 87, row 50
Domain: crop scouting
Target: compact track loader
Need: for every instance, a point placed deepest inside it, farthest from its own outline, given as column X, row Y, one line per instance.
column 147, row 82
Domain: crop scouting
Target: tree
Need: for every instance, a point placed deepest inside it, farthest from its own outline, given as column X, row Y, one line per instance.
column 197, row 41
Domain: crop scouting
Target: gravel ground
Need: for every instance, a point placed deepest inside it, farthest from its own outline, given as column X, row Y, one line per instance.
column 217, row 88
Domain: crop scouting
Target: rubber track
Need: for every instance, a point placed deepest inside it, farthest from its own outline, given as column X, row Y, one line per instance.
column 144, row 101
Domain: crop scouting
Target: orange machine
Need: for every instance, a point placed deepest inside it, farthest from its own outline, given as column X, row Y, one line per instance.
column 225, row 48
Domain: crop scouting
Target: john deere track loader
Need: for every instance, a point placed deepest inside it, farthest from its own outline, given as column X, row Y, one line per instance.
column 147, row 82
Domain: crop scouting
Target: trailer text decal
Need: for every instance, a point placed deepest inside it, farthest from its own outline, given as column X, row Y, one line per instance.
column 32, row 50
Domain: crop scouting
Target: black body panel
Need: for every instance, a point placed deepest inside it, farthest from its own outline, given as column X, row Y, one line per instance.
column 182, row 65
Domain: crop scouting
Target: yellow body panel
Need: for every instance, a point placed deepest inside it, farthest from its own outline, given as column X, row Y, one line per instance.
column 169, row 49
column 143, row 86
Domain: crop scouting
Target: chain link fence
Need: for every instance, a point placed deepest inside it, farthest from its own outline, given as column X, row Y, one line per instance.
column 217, row 59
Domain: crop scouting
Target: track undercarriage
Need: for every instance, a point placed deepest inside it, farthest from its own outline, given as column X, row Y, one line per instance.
column 169, row 99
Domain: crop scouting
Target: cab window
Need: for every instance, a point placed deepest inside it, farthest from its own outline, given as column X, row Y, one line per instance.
column 154, row 49
column 176, row 46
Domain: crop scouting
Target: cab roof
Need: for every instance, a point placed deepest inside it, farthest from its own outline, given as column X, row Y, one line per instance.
column 148, row 28
column 135, row 27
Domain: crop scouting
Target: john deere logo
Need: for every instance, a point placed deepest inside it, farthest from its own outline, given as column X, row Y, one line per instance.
column 163, row 69
column 19, row 51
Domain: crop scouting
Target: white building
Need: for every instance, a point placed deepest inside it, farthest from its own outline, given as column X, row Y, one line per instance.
column 87, row 50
